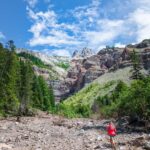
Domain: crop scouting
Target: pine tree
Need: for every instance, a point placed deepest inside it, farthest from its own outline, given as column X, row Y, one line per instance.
column 2, row 70
column 25, row 91
column 137, row 66
column 9, row 83
column 10, row 45
column 37, row 97
column 48, row 98
column 52, row 98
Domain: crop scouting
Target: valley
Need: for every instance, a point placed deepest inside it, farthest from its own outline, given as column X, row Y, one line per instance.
column 75, row 75
column 68, row 102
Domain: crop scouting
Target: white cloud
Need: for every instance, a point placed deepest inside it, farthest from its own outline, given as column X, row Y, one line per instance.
column 107, row 30
column 32, row 3
column 141, row 18
column 53, row 40
column 120, row 45
column 88, row 27
column 2, row 36
column 46, row 30
column 61, row 52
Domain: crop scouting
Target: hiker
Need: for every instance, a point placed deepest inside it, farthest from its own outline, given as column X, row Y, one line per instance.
column 111, row 131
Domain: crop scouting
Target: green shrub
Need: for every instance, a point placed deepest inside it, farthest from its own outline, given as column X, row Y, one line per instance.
column 63, row 65
column 131, row 100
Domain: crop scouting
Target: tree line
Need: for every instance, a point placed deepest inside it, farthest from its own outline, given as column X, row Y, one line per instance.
column 20, row 89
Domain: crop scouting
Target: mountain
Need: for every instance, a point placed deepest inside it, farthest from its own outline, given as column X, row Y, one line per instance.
column 84, row 53
column 55, row 65
column 70, row 76
column 52, row 68
column 82, row 83
column 110, row 59
column 84, row 71
column 103, row 85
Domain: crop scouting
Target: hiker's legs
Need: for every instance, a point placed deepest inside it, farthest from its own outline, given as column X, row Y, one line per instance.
column 112, row 143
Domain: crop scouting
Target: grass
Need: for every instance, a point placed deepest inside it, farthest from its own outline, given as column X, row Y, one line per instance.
column 80, row 104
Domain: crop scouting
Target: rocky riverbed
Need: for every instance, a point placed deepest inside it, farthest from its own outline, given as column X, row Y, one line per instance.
column 49, row 132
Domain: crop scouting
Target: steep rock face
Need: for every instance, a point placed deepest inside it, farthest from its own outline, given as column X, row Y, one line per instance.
column 76, row 54
column 144, row 44
column 84, row 53
column 85, row 70
column 41, row 72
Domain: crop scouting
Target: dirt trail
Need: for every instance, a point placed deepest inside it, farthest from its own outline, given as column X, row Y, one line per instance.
column 48, row 132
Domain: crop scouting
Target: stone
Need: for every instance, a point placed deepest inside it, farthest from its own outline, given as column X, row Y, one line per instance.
column 147, row 145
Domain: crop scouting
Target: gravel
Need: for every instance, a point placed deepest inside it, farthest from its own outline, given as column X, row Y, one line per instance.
column 50, row 132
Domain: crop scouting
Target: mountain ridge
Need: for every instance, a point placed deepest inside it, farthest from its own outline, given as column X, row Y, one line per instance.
column 86, row 69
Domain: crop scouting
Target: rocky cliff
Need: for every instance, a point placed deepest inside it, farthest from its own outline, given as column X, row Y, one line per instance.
column 86, row 66
column 84, row 53
column 84, row 70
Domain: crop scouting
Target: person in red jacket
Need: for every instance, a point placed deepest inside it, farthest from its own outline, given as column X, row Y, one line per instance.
column 111, row 131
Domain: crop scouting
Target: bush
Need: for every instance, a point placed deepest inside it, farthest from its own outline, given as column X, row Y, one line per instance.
column 131, row 100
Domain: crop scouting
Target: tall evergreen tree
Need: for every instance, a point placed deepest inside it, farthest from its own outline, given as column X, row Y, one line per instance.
column 25, row 92
column 9, row 82
column 48, row 99
column 10, row 45
column 37, row 97
column 137, row 66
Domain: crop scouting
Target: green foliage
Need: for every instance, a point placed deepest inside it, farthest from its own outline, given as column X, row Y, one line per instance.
column 8, row 81
column 48, row 98
column 10, row 45
column 63, row 65
column 129, row 100
column 37, row 97
column 35, row 61
column 43, row 97
column 113, row 99
column 20, row 89
column 136, row 62
column 25, row 86
column 80, row 104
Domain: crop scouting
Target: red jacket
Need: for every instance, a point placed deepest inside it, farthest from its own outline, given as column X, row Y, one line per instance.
column 111, row 130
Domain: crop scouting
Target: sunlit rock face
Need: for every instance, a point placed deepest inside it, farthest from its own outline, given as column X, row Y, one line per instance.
column 84, row 53
column 85, row 67
column 84, row 70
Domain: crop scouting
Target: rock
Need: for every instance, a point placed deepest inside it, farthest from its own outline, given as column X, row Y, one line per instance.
column 84, row 53
column 76, row 54
column 97, row 147
column 86, row 66
column 100, row 138
column 4, row 146
column 43, row 134
column 24, row 137
column 144, row 44
column 147, row 145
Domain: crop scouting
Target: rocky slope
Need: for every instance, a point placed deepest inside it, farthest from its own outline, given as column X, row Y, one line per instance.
column 84, row 70
column 85, row 66
column 47, row 132
column 53, row 68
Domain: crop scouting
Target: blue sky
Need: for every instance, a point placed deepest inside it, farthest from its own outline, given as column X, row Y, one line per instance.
column 62, row 26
